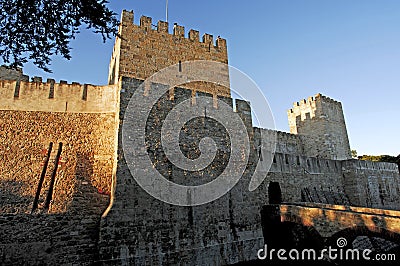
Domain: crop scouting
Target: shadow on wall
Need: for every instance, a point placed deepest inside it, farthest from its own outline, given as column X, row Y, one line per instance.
column 87, row 196
column 49, row 239
column 84, row 166
column 12, row 199
column 77, row 194
column 52, row 238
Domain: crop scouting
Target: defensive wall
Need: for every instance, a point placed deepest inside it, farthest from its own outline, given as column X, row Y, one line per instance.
column 122, row 223
column 84, row 118
column 227, row 230
column 137, row 228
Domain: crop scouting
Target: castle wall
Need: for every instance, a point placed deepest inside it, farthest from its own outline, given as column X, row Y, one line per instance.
column 68, row 232
column 288, row 143
column 138, row 228
column 82, row 117
column 372, row 184
column 298, row 174
column 53, row 239
column 57, row 97
column 87, row 157
column 142, row 51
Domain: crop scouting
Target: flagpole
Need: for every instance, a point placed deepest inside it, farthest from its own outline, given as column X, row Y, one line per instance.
column 166, row 12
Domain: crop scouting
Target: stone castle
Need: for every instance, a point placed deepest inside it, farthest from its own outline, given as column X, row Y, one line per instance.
column 99, row 214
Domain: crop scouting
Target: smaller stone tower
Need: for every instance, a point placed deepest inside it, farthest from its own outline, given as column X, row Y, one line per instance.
column 319, row 121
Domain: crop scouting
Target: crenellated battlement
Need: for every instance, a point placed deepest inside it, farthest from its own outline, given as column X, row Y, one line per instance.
column 311, row 103
column 318, row 107
column 370, row 166
column 50, row 96
column 285, row 135
column 146, row 24
column 326, row 99
column 290, row 163
column 142, row 50
column 179, row 94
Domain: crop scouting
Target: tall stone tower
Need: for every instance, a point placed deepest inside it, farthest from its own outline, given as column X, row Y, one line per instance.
column 319, row 121
column 12, row 74
column 142, row 50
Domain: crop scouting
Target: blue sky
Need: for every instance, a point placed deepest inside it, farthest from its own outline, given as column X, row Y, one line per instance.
column 348, row 50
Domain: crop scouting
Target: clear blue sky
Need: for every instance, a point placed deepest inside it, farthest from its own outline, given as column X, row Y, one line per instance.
column 348, row 50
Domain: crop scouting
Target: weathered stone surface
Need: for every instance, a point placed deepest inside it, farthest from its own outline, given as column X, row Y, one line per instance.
column 319, row 121
column 142, row 51
column 87, row 160
column 136, row 220
column 137, row 228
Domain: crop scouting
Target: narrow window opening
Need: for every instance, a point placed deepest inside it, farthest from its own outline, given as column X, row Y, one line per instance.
column 180, row 66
